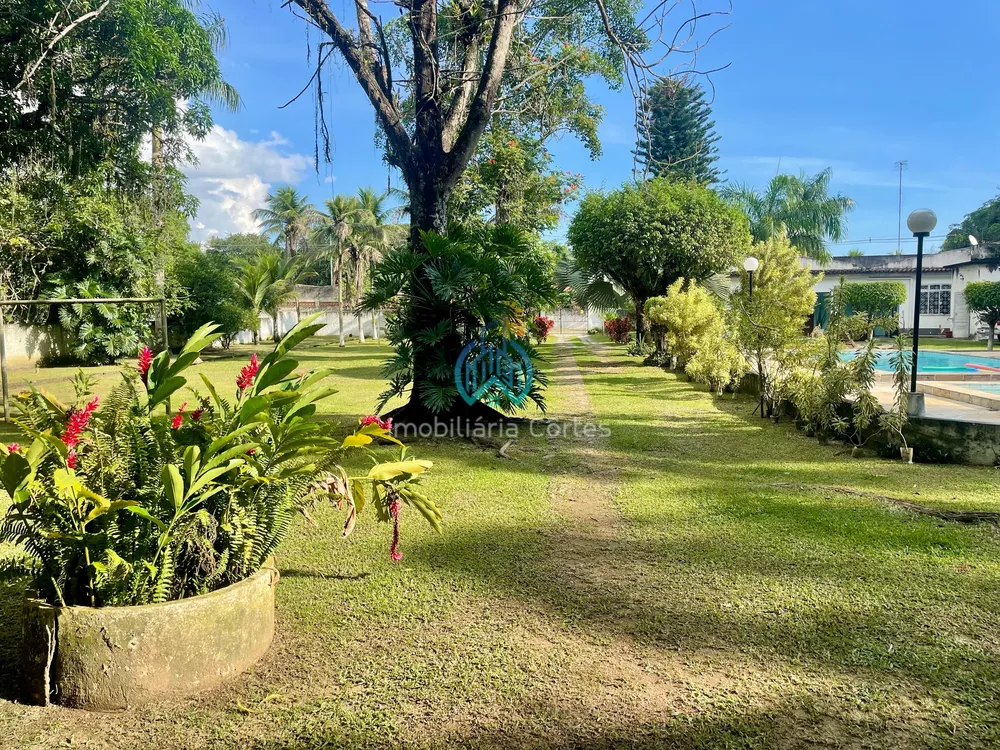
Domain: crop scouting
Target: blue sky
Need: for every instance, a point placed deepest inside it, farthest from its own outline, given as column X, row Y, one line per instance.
column 851, row 85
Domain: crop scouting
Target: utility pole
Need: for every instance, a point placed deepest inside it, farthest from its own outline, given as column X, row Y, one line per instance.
column 900, row 165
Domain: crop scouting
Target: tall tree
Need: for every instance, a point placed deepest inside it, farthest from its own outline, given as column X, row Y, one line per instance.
column 332, row 232
column 288, row 214
column 378, row 234
column 99, row 76
column 680, row 140
column 644, row 237
column 800, row 207
column 983, row 298
column 454, row 66
column 983, row 224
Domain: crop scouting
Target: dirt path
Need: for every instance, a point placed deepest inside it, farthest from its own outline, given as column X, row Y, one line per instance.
column 584, row 488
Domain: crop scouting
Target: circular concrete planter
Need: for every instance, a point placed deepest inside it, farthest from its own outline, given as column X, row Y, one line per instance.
column 110, row 658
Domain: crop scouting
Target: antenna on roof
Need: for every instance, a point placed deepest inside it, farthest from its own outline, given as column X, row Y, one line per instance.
column 973, row 241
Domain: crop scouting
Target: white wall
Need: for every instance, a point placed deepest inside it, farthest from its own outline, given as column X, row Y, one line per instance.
column 33, row 343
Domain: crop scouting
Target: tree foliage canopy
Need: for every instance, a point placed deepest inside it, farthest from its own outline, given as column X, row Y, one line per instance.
column 83, row 81
column 644, row 237
column 983, row 224
column 879, row 299
column 799, row 207
column 680, row 139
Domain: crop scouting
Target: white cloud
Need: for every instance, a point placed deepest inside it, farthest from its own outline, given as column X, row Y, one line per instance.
column 330, row 178
column 232, row 178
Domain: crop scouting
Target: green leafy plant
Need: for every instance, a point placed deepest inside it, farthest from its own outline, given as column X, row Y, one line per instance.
column 983, row 298
column 717, row 363
column 121, row 503
column 689, row 316
column 636, row 347
column 440, row 299
column 644, row 237
column 876, row 299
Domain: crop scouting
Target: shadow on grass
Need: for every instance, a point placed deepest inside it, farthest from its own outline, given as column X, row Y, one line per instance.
column 886, row 614
column 539, row 723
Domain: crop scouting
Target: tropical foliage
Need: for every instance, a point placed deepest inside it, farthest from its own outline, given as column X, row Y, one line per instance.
column 769, row 325
column 983, row 298
column 690, row 317
column 799, row 207
column 983, row 224
column 876, row 299
column 512, row 181
column 287, row 215
column 119, row 503
column 618, row 329
column 644, row 237
column 679, row 140
column 441, row 298
column 209, row 281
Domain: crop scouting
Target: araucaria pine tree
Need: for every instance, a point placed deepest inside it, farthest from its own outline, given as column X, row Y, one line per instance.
column 680, row 139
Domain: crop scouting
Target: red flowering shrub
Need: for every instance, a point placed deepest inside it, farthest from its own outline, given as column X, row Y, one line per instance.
column 541, row 327
column 618, row 329
column 122, row 503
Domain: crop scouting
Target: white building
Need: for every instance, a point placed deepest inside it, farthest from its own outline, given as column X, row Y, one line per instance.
column 942, row 298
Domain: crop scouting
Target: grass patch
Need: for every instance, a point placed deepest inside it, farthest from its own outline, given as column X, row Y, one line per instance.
column 647, row 589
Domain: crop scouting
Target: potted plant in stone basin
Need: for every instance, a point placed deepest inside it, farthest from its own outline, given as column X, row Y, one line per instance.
column 148, row 536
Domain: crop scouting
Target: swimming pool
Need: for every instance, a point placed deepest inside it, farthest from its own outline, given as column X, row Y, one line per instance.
column 944, row 362
column 987, row 387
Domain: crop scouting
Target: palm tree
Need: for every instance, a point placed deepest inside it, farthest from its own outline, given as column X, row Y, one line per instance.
column 289, row 215
column 333, row 228
column 800, row 206
column 378, row 235
column 255, row 283
column 266, row 281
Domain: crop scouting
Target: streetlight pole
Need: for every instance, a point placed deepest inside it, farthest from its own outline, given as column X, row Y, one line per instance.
column 750, row 265
column 921, row 222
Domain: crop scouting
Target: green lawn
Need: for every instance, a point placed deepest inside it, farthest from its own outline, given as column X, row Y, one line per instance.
column 687, row 581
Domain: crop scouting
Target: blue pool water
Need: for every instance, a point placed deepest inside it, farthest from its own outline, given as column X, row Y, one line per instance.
column 930, row 362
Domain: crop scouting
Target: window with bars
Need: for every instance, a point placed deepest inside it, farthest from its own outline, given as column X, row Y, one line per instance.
column 935, row 299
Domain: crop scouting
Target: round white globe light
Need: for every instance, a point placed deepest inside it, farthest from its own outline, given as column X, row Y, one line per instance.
column 921, row 221
column 750, row 264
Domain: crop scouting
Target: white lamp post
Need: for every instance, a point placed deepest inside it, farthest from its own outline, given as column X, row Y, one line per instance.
column 750, row 265
column 921, row 222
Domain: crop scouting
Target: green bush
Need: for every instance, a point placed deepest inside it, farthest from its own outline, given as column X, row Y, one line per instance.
column 983, row 298
column 877, row 299
column 124, row 504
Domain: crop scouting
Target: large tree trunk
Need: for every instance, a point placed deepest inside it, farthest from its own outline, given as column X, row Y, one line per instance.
column 640, row 318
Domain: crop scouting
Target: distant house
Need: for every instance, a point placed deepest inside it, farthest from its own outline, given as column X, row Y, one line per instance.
column 942, row 297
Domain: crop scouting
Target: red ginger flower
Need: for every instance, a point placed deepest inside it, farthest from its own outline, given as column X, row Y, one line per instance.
column 71, row 459
column 394, row 508
column 145, row 360
column 14, row 448
column 248, row 373
column 385, row 424
column 196, row 414
column 178, row 419
column 77, row 423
